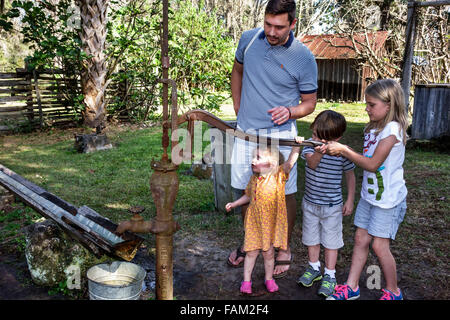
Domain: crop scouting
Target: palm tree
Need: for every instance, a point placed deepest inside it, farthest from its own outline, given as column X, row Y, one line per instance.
column 93, row 77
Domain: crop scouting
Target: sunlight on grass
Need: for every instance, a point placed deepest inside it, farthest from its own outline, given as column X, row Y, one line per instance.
column 112, row 181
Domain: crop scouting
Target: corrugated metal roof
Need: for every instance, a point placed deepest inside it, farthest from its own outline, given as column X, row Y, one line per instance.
column 338, row 46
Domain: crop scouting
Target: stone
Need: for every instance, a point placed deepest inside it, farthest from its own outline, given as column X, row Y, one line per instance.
column 86, row 143
column 203, row 170
column 54, row 257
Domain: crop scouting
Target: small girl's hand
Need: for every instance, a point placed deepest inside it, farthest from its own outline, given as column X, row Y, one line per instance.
column 299, row 139
column 335, row 148
column 229, row 206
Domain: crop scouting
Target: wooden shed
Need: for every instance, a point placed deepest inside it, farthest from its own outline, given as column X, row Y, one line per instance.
column 431, row 113
column 339, row 76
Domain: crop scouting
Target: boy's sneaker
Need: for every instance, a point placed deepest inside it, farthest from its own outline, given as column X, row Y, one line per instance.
column 389, row 295
column 344, row 292
column 309, row 277
column 327, row 286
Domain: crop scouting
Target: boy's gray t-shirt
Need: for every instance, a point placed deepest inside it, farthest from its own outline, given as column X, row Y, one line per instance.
column 273, row 76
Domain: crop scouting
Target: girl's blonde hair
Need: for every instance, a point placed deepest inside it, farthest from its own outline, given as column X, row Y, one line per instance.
column 389, row 91
column 273, row 153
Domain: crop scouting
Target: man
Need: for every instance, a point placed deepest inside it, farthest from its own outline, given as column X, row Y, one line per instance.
column 272, row 72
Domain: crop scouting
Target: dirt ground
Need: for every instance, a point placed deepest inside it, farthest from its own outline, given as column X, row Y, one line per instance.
column 200, row 273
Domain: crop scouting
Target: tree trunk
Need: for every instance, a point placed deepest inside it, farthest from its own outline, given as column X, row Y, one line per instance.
column 93, row 76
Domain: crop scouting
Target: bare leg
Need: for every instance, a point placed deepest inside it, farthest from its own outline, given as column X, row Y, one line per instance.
column 381, row 248
column 291, row 206
column 359, row 257
column 249, row 264
column 269, row 263
column 314, row 253
column 330, row 258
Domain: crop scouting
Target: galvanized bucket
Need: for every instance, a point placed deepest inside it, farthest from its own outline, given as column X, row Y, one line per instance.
column 116, row 281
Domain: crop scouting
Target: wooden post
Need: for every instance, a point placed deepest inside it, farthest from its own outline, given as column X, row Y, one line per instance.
column 410, row 41
column 30, row 113
column 38, row 97
column 409, row 51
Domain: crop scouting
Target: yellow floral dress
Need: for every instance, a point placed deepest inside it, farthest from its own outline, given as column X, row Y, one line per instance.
column 266, row 218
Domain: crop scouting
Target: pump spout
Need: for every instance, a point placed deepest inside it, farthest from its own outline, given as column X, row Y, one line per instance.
column 137, row 224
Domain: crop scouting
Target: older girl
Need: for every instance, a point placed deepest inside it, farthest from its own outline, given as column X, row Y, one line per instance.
column 383, row 194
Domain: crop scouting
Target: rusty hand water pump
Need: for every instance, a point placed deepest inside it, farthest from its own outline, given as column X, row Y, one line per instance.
column 163, row 185
column 164, row 180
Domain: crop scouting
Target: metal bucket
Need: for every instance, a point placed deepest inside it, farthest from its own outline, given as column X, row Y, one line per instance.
column 116, row 281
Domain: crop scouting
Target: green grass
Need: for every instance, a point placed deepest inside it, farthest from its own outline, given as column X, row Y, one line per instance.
column 112, row 181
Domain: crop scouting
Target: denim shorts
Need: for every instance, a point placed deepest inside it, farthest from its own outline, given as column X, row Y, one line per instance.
column 379, row 222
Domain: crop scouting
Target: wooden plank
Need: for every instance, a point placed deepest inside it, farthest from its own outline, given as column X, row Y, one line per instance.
column 13, row 90
column 12, row 116
column 429, row 3
column 12, row 109
column 431, row 112
column 49, row 210
column 83, row 224
column 13, row 98
column 5, row 83
column 10, row 75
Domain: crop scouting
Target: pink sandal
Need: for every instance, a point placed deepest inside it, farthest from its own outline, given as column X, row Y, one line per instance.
column 271, row 285
column 246, row 287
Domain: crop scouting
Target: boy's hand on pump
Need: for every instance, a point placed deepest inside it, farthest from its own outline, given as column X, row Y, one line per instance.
column 320, row 149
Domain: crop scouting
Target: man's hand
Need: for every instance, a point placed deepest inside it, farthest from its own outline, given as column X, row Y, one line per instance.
column 280, row 114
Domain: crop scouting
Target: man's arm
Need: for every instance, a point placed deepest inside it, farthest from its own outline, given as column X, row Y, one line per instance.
column 307, row 105
column 236, row 84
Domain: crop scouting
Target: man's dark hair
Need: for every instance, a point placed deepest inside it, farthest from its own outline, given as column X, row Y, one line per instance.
column 280, row 7
column 329, row 125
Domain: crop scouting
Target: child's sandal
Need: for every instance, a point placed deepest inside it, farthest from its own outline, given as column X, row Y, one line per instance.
column 246, row 287
column 271, row 285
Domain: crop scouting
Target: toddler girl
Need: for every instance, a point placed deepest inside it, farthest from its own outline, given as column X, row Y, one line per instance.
column 266, row 217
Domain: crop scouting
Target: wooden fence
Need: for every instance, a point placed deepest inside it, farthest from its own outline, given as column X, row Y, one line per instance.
column 36, row 99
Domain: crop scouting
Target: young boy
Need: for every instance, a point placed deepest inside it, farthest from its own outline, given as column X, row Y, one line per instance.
column 322, row 205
